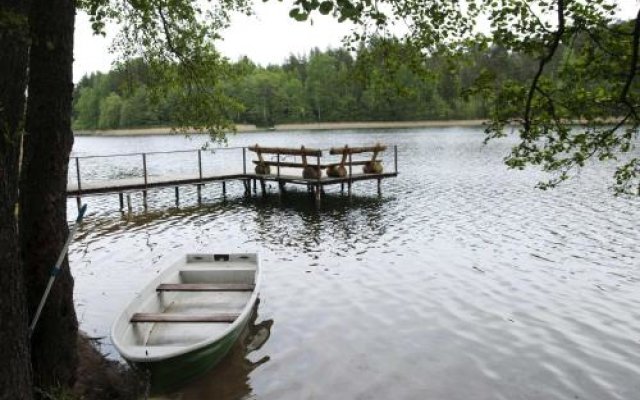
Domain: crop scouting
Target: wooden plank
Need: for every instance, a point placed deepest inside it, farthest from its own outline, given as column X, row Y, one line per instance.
column 359, row 162
column 205, row 287
column 112, row 186
column 286, row 150
column 184, row 318
column 285, row 164
column 300, row 165
column 354, row 150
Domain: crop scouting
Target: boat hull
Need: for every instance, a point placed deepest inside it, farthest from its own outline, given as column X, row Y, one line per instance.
column 171, row 373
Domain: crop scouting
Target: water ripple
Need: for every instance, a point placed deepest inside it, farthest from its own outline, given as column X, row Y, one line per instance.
column 461, row 282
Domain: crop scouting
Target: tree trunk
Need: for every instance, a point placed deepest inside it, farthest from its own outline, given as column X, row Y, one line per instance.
column 15, row 368
column 43, row 210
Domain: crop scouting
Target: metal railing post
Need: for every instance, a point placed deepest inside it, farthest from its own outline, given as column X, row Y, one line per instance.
column 395, row 158
column 200, row 164
column 244, row 160
column 78, row 174
column 144, row 168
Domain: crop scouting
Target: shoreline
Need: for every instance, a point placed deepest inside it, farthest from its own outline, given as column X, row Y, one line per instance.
column 317, row 126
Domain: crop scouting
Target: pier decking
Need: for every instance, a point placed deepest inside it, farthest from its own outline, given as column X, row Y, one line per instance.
column 230, row 164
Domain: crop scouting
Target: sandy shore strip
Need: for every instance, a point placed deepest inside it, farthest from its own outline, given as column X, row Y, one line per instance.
column 295, row 127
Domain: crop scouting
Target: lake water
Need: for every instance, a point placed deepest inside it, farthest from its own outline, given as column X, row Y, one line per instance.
column 462, row 281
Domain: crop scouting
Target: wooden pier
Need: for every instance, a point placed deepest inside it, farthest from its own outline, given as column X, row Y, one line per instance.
column 229, row 168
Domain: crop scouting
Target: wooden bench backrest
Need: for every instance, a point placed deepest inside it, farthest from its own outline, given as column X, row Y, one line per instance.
column 287, row 151
column 302, row 151
column 346, row 150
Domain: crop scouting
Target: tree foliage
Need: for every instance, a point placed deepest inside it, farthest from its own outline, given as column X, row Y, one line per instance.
column 175, row 42
column 383, row 81
column 586, row 62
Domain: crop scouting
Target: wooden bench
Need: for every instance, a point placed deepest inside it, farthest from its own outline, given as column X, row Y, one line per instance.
column 205, row 287
column 309, row 170
column 371, row 166
column 184, row 318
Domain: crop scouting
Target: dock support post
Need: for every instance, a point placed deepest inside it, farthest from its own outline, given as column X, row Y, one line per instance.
column 129, row 202
column 224, row 188
column 318, row 195
column 79, row 202
column 379, row 187
column 281, row 186
column 350, row 175
column 255, row 187
column 144, row 199
column 199, row 190
column 121, row 198
column 263, row 186
column 342, row 188
column 177, row 196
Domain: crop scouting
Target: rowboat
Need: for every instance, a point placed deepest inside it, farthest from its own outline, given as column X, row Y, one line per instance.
column 186, row 319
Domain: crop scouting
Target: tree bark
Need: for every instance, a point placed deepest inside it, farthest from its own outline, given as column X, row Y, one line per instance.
column 43, row 211
column 15, row 367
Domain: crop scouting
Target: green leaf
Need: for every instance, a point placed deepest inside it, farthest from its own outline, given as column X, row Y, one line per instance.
column 326, row 7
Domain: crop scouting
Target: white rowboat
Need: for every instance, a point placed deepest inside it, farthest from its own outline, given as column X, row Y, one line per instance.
column 188, row 317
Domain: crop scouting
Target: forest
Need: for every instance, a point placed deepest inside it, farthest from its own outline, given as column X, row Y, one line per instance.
column 384, row 81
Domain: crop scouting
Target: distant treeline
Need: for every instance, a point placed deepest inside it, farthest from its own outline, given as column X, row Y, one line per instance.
column 386, row 81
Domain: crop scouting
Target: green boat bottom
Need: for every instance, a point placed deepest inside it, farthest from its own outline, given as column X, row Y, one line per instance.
column 172, row 373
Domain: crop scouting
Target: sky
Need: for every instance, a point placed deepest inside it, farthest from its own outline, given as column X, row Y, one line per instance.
column 268, row 37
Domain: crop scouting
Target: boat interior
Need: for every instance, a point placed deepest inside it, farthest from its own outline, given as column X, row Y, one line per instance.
column 190, row 303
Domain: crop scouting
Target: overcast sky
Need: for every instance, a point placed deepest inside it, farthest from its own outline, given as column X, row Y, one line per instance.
column 266, row 38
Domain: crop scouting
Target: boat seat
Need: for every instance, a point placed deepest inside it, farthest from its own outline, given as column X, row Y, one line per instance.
column 205, row 287
column 185, row 318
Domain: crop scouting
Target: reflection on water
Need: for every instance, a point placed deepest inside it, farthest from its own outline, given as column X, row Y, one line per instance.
column 462, row 281
column 230, row 378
